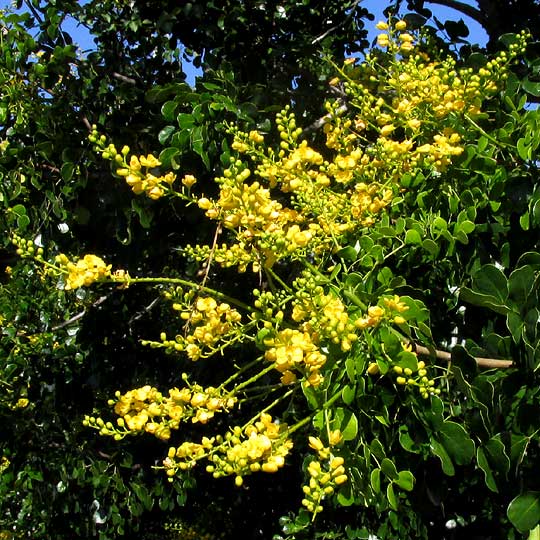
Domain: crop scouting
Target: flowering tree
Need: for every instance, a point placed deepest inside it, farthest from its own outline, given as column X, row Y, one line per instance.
column 362, row 318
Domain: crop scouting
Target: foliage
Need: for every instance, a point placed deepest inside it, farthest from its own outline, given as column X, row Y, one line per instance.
column 331, row 269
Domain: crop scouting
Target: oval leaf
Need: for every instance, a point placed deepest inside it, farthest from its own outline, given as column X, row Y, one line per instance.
column 524, row 511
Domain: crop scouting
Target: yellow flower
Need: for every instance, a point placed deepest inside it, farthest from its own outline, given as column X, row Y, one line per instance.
column 189, row 180
column 149, row 161
column 383, row 40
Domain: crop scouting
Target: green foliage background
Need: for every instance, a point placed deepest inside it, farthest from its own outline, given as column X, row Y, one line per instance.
column 67, row 353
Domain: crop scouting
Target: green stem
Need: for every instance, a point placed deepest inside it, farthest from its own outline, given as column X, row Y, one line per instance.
column 266, row 409
column 304, row 421
column 274, row 276
column 186, row 283
column 255, row 377
column 487, row 135
column 242, row 370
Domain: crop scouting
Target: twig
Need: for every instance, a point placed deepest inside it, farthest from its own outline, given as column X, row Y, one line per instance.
column 319, row 123
column 144, row 311
column 123, row 78
column 466, row 9
column 80, row 315
column 86, row 123
column 481, row 362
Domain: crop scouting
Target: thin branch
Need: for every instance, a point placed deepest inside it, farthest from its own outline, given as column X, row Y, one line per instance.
column 470, row 11
column 86, row 123
column 144, row 311
column 481, row 362
column 80, row 315
column 123, row 78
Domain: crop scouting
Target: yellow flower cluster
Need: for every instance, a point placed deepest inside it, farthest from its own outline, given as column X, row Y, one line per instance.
column 213, row 327
column 83, row 272
column 401, row 41
column 143, row 181
column 325, row 474
column 392, row 311
column 396, row 96
column 138, row 171
column 260, row 446
column 317, row 201
column 324, row 317
column 294, row 350
column 147, row 410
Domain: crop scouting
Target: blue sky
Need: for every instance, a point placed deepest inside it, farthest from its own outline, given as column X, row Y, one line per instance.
column 477, row 34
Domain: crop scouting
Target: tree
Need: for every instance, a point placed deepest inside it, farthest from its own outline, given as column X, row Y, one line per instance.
column 323, row 267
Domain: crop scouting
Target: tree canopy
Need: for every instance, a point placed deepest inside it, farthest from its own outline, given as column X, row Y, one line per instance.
column 306, row 285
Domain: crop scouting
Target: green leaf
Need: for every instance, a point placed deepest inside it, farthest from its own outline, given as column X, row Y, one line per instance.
column 19, row 210
column 438, row 450
column 524, row 511
column 389, row 469
column 311, row 395
column 406, row 441
column 408, row 359
column 534, row 534
column 348, row 394
column 524, row 150
column 168, row 110
column 377, row 449
column 391, row 496
column 467, row 226
column 524, row 221
column 457, row 442
column 496, row 452
column 483, row 300
column 483, row 463
column 347, row 423
column 67, row 171
column 347, row 253
column 520, row 285
column 405, row 480
column 489, row 280
column 185, row 120
column 515, row 325
column 167, row 158
column 431, row 247
column 375, row 480
column 412, row 236
column 165, row 134
column 531, row 87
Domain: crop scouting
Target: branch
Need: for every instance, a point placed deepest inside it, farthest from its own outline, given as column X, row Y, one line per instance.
column 481, row 362
column 123, row 78
column 470, row 11
column 80, row 315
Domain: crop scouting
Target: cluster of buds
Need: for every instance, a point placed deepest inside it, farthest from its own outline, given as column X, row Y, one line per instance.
column 416, row 378
column 26, row 248
column 326, row 473
column 147, row 410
